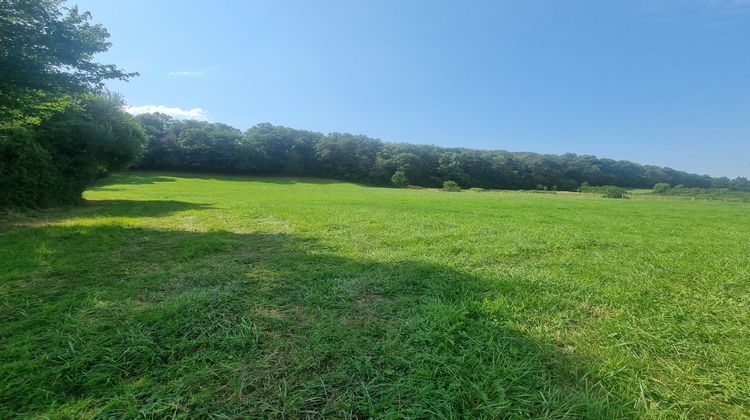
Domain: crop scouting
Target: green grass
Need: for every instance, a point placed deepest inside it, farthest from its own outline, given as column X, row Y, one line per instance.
column 183, row 295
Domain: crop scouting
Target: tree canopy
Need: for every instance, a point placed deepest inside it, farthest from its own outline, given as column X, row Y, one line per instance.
column 46, row 57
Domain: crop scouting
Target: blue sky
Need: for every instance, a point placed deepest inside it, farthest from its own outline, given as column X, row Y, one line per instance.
column 663, row 82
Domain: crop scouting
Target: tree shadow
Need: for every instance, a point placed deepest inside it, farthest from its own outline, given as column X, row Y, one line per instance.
column 100, row 208
column 151, row 177
column 135, row 208
column 117, row 321
column 134, row 178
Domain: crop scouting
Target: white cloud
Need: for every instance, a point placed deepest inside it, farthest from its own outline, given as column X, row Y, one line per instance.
column 176, row 112
column 186, row 73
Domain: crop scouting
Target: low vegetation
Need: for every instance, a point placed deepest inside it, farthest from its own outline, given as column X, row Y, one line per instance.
column 451, row 186
column 702, row 193
column 183, row 295
column 607, row 191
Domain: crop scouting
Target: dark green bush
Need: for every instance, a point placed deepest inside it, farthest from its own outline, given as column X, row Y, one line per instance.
column 28, row 178
column 661, row 188
column 52, row 163
column 451, row 186
column 607, row 191
column 399, row 179
column 614, row 192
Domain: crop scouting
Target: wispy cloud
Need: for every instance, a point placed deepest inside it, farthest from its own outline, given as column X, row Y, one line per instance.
column 718, row 6
column 186, row 73
column 176, row 112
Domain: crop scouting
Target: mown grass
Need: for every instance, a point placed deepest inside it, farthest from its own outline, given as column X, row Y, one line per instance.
column 183, row 295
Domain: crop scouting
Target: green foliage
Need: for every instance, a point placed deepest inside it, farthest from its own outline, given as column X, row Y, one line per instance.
column 475, row 189
column 46, row 58
column 615, row 192
column 607, row 191
column 661, row 188
column 266, row 149
column 399, row 179
column 451, row 186
column 28, row 176
column 59, row 129
column 195, row 296
column 705, row 193
column 52, row 163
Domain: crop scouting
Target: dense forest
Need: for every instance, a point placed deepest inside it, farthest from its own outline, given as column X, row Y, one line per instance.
column 60, row 130
column 266, row 149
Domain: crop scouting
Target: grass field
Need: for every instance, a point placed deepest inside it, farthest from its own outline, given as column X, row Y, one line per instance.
column 226, row 296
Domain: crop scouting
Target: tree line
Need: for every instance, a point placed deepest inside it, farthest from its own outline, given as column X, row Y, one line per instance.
column 266, row 149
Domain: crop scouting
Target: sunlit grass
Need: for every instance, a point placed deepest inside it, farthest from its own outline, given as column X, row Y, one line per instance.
column 199, row 295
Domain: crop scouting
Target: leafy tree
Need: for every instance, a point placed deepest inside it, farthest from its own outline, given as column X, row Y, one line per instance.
column 399, row 179
column 46, row 59
column 739, row 184
column 156, row 150
column 273, row 149
column 661, row 188
column 451, row 186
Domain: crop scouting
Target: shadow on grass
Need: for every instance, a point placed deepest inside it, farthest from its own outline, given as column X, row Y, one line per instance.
column 136, row 177
column 100, row 208
column 114, row 321
column 134, row 208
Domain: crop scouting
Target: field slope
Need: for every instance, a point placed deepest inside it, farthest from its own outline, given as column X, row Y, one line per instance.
column 195, row 295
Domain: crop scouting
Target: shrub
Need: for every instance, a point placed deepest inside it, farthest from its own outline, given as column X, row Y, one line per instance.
column 399, row 179
column 475, row 189
column 28, row 178
column 451, row 186
column 52, row 163
column 610, row 191
column 607, row 191
column 661, row 188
